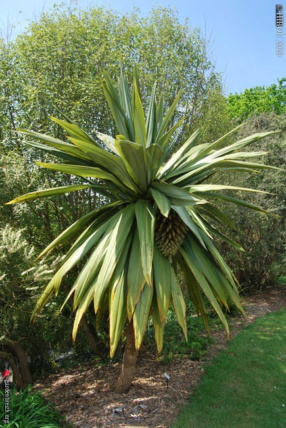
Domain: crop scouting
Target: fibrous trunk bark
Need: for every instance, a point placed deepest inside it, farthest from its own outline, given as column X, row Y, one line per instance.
column 129, row 361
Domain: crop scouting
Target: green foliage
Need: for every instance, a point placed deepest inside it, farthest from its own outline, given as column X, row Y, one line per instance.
column 20, row 285
column 31, row 410
column 262, row 237
column 255, row 101
column 250, row 372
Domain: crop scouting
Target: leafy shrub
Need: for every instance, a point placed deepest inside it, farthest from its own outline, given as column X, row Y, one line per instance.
column 29, row 410
column 262, row 236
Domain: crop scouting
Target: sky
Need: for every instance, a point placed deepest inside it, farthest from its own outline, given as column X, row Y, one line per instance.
column 242, row 33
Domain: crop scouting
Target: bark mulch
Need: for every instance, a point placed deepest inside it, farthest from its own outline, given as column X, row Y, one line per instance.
column 85, row 396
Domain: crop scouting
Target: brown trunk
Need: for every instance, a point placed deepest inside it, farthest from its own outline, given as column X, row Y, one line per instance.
column 17, row 378
column 129, row 361
column 18, row 352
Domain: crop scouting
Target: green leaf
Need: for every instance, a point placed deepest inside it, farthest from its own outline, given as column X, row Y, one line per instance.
column 168, row 116
column 133, row 157
column 158, row 326
column 154, row 157
column 81, row 310
column 213, row 165
column 162, row 281
column 179, row 303
column 194, row 290
column 162, row 202
column 62, row 155
column 84, row 171
column 126, row 103
column 151, row 129
column 112, row 163
column 76, row 228
column 236, row 201
column 207, row 266
column 200, row 279
column 216, row 214
column 177, row 157
column 108, row 141
column 118, row 241
column 201, row 188
column 135, row 277
column 116, row 109
column 75, row 131
column 210, row 147
column 166, row 137
column 145, row 218
column 138, row 118
column 176, row 192
column 185, row 217
column 117, row 312
column 67, row 148
column 240, row 144
column 141, row 314
column 49, row 192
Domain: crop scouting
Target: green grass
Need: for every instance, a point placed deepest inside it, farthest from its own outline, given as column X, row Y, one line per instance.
column 245, row 386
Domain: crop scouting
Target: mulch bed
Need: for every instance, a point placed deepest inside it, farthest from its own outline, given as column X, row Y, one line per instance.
column 86, row 396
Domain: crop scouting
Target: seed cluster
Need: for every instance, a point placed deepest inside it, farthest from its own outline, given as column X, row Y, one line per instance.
column 169, row 233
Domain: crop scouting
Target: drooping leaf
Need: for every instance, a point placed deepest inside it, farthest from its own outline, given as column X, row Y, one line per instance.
column 135, row 276
column 117, row 311
column 179, row 303
column 162, row 281
column 141, row 314
column 158, row 325
column 145, row 218
column 119, row 239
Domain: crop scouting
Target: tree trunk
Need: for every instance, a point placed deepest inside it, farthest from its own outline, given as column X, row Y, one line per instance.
column 129, row 361
column 18, row 353
column 17, row 378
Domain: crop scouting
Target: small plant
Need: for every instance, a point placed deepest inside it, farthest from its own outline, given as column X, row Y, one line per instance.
column 30, row 410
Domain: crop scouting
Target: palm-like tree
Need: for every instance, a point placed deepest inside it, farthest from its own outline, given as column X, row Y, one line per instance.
column 159, row 220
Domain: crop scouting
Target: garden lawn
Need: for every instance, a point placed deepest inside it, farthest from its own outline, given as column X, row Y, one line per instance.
column 245, row 386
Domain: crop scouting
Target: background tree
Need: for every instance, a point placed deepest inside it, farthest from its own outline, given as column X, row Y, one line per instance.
column 262, row 237
column 257, row 100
